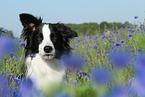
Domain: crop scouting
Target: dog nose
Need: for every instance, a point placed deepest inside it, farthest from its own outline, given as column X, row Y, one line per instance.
column 47, row 49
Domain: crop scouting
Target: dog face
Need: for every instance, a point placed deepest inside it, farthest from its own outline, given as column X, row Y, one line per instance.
column 48, row 40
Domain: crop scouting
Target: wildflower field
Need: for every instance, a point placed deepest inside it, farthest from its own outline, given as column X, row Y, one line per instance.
column 109, row 64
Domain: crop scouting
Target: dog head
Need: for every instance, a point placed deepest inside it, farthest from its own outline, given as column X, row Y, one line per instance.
column 48, row 40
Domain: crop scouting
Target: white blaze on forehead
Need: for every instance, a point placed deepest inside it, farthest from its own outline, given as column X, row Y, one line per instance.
column 46, row 35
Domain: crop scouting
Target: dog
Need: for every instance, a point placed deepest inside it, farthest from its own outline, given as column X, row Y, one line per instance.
column 46, row 44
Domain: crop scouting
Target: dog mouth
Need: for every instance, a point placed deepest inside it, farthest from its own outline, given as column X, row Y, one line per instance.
column 48, row 55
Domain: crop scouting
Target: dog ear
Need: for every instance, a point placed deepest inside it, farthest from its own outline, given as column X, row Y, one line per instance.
column 66, row 31
column 29, row 22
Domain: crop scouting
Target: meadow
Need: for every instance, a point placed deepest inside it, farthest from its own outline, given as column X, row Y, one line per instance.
column 109, row 64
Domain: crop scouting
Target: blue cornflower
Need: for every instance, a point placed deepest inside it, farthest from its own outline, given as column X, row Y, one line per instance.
column 11, row 54
column 86, row 77
column 23, row 44
column 111, row 28
column 19, row 40
column 4, row 31
column 71, row 79
column 121, row 41
column 17, row 60
column 31, row 55
column 87, row 34
column 103, row 36
column 80, row 72
column 105, row 27
column 95, row 47
column 83, row 56
column 96, row 43
column 98, row 55
column 11, row 74
column 27, row 89
column 85, row 60
column 87, row 49
column 120, row 58
column 117, row 44
column 131, row 30
column 140, row 72
column 140, row 62
column 6, row 45
column 118, row 91
column 130, row 35
column 107, row 51
column 5, row 89
column 16, row 79
column 98, row 51
column 135, row 17
column 116, row 32
column 72, row 62
column 124, row 25
column 101, row 75
column 138, row 50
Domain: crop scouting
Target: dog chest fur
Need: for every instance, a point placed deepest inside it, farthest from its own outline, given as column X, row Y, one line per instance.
column 44, row 72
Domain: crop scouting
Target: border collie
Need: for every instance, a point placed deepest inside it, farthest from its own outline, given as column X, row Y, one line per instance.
column 47, row 42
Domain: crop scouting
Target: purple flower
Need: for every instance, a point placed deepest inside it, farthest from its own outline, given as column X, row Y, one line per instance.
column 120, row 58
column 85, row 60
column 11, row 74
column 140, row 73
column 117, row 44
column 95, row 47
column 4, row 31
column 23, row 44
column 135, row 17
column 87, row 49
column 98, row 51
column 86, row 77
column 87, row 34
column 80, row 72
column 11, row 54
column 105, row 27
column 17, row 80
column 101, row 75
column 140, row 62
column 130, row 35
column 31, row 55
column 6, row 45
column 27, row 89
column 98, row 55
column 5, row 89
column 116, row 32
column 121, row 41
column 17, row 60
column 138, row 50
column 118, row 91
column 131, row 30
column 72, row 62
column 19, row 40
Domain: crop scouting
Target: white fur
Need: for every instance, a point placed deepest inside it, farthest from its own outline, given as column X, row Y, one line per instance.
column 44, row 73
column 45, row 70
column 46, row 42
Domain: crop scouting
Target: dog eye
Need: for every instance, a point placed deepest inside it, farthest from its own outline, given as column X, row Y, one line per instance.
column 54, row 37
column 39, row 38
